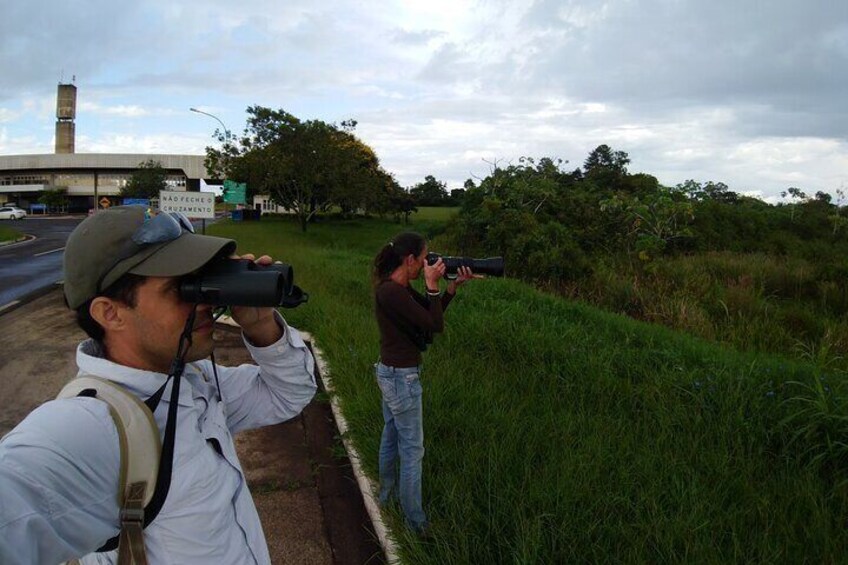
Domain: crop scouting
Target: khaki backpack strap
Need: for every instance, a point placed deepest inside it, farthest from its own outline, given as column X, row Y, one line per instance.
column 131, row 543
column 140, row 445
column 138, row 433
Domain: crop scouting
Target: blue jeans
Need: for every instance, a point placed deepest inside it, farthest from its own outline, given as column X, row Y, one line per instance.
column 402, row 440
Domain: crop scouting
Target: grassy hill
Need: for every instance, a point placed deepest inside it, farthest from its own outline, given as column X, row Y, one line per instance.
column 558, row 433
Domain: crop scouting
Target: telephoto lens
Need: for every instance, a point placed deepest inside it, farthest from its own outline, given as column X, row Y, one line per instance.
column 242, row 282
column 491, row 266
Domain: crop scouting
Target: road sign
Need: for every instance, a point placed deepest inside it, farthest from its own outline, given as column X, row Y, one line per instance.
column 105, row 202
column 136, row 202
column 235, row 192
column 192, row 204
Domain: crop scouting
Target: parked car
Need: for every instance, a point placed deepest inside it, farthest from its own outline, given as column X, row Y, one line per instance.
column 12, row 213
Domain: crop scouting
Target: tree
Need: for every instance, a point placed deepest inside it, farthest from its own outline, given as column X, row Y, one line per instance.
column 430, row 192
column 603, row 158
column 654, row 220
column 838, row 222
column 403, row 204
column 798, row 196
column 54, row 199
column 795, row 192
column 305, row 166
column 392, row 199
column 355, row 174
column 716, row 191
column 146, row 181
column 528, row 185
column 456, row 196
column 606, row 169
column 823, row 197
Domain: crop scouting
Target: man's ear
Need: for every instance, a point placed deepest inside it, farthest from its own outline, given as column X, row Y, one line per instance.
column 107, row 312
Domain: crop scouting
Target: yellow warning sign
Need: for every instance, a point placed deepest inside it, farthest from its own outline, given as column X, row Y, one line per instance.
column 105, row 202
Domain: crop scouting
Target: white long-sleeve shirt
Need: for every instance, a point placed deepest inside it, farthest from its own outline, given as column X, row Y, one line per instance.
column 59, row 467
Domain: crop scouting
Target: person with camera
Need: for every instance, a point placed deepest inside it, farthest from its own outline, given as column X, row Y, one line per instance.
column 407, row 321
column 61, row 466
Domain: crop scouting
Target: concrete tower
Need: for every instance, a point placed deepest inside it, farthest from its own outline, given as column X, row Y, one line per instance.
column 66, row 112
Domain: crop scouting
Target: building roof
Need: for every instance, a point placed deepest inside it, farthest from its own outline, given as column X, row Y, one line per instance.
column 191, row 165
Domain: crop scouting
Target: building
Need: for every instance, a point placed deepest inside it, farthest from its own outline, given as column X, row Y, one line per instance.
column 89, row 180
column 263, row 203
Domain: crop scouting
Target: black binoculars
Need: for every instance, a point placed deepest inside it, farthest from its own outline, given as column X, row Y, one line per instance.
column 242, row 282
column 491, row 266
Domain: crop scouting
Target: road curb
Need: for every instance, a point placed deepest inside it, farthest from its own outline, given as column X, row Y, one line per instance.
column 29, row 297
column 11, row 242
column 366, row 485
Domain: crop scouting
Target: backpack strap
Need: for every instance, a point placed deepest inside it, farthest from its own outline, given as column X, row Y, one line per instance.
column 131, row 541
column 140, row 447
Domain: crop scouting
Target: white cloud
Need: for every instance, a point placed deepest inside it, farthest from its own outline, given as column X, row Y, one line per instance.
column 122, row 143
column 125, row 111
column 7, row 115
column 817, row 164
column 745, row 93
column 24, row 145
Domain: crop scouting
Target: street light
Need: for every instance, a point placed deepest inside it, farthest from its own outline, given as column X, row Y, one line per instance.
column 226, row 138
column 226, row 129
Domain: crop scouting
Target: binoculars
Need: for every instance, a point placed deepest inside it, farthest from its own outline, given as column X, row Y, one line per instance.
column 242, row 282
column 491, row 266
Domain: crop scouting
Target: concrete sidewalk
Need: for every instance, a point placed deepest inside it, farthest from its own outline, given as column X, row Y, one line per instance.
column 311, row 508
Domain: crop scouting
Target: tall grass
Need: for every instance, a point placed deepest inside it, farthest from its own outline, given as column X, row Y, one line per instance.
column 747, row 301
column 557, row 433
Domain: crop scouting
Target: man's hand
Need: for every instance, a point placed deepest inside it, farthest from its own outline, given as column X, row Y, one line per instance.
column 433, row 274
column 463, row 275
column 258, row 324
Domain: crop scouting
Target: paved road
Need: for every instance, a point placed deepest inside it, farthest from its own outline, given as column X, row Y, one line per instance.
column 36, row 264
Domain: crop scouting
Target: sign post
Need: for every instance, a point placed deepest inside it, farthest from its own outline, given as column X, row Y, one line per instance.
column 235, row 192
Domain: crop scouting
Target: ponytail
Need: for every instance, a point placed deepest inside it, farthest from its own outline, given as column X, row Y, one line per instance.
column 391, row 256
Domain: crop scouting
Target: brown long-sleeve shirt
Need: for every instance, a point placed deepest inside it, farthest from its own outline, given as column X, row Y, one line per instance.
column 397, row 304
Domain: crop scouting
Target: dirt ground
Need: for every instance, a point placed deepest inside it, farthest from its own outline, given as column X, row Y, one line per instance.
column 307, row 497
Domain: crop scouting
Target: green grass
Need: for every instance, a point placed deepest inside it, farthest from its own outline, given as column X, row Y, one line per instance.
column 9, row 234
column 557, row 433
column 747, row 301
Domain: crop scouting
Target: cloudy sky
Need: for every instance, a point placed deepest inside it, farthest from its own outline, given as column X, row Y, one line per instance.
column 753, row 93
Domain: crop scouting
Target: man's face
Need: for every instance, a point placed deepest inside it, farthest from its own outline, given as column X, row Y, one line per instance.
column 156, row 322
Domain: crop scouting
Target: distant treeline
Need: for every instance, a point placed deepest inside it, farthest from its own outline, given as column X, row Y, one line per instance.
column 696, row 256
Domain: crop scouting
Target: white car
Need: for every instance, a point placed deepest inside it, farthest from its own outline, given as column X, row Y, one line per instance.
column 12, row 213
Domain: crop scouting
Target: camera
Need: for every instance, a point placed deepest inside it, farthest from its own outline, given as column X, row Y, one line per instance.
column 491, row 266
column 242, row 282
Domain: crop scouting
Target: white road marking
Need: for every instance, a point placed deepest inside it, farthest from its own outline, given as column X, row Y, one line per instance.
column 46, row 252
column 8, row 305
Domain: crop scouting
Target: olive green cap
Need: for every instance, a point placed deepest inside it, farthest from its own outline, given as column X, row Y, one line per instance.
column 100, row 251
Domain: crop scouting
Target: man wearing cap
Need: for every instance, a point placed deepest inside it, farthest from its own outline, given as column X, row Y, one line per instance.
column 60, row 467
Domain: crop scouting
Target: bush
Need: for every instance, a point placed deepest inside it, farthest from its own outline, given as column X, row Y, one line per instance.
column 801, row 322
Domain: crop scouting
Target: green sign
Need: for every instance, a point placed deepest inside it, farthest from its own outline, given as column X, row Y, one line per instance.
column 235, row 192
